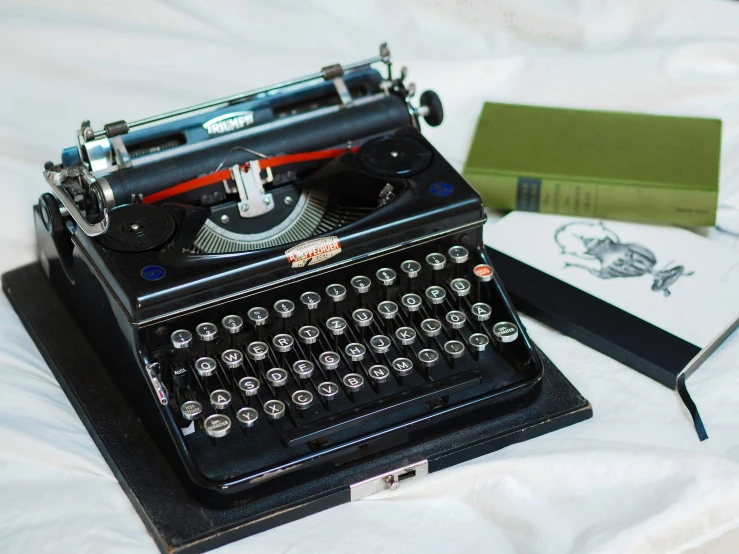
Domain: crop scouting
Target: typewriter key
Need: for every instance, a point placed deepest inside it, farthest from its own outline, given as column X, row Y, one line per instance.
column 458, row 254
column 284, row 309
column 387, row 309
column 436, row 260
column 283, row 342
column 431, row 327
column 362, row 317
column 181, row 339
column 386, row 277
column 257, row 350
column 232, row 358
column 402, row 366
column 411, row 302
column 232, row 324
column 460, row 287
column 205, row 366
column 217, row 425
column 337, row 293
column 380, row 344
column 411, row 268
column 328, row 390
column 277, row 377
column 505, row 331
column 405, row 335
column 428, row 357
column 329, row 360
column 310, row 300
column 249, row 385
column 481, row 312
column 206, row 331
column 336, row 325
column 484, row 274
column 303, row 369
column 353, row 382
column 454, row 349
column 456, row 319
column 274, row 409
column 258, row 316
column 361, row 285
column 378, row 373
column 435, row 295
column 220, row 399
column 247, row 417
column 191, row 410
column 308, row 334
column 355, row 351
column 302, row 399
column 478, row 343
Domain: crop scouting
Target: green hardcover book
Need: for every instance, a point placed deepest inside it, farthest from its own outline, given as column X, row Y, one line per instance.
column 634, row 167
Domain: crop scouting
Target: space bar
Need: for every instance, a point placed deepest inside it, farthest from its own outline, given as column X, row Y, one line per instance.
column 378, row 408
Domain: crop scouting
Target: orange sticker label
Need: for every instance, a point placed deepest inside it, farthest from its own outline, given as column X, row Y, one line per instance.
column 313, row 251
column 483, row 270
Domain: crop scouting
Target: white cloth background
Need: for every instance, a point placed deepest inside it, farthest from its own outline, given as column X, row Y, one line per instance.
column 633, row 479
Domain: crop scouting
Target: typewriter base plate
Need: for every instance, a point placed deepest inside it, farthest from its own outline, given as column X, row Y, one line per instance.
column 179, row 523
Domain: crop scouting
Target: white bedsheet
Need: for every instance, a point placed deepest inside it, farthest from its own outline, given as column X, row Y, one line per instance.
column 632, row 479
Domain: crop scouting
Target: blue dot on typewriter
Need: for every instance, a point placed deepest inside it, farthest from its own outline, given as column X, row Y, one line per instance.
column 153, row 272
column 441, row 189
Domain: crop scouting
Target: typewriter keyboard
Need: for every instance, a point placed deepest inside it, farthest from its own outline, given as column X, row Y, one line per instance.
column 334, row 357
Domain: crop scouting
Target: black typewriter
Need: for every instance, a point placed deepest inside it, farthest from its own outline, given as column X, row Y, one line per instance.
column 284, row 285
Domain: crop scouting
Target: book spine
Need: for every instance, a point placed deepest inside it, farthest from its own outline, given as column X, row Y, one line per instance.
column 641, row 202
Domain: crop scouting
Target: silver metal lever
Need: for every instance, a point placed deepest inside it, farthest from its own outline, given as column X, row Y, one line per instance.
column 56, row 178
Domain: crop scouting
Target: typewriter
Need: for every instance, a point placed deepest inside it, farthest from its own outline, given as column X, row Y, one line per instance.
column 285, row 284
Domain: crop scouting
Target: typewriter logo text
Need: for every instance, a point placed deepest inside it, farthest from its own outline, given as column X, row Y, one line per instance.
column 228, row 122
column 313, row 251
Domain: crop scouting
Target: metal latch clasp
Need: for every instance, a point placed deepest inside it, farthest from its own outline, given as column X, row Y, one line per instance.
column 390, row 480
column 253, row 200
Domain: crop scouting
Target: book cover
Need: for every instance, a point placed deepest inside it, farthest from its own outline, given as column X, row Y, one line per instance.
column 658, row 299
column 626, row 166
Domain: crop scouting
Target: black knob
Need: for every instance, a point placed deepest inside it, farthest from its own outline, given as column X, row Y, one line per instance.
column 51, row 216
column 435, row 115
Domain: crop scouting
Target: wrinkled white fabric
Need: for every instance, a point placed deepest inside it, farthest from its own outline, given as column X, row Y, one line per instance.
column 632, row 479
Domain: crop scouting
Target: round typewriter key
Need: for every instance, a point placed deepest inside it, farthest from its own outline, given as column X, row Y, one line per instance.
column 217, row 425
column 181, row 339
column 355, row 351
column 284, row 308
column 436, row 260
column 454, row 348
column 481, row 311
column 206, row 331
column 505, row 332
column 232, row 323
column 257, row 350
column 191, row 410
column 428, row 357
column 386, row 276
column 308, row 334
column 329, row 360
column 336, row 325
column 411, row 268
column 302, row 399
column 380, row 344
column 411, row 302
column 456, row 319
column 460, row 287
column 277, row 377
column 435, row 294
column 483, row 272
column 258, row 316
column 458, row 254
column 328, row 390
column 353, row 382
column 387, row 309
column 310, row 299
column 405, row 335
column 283, row 342
column 402, row 366
column 361, row 284
column 303, row 369
column 335, row 292
column 378, row 373
column 362, row 317
column 232, row 358
column 205, row 366
column 249, row 385
column 478, row 342
column 274, row 409
column 431, row 327
column 220, row 399
column 247, row 417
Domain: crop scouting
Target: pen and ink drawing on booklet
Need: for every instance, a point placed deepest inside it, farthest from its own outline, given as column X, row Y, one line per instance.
column 599, row 251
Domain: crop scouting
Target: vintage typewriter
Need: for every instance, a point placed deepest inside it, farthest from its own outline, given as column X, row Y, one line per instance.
column 285, row 287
